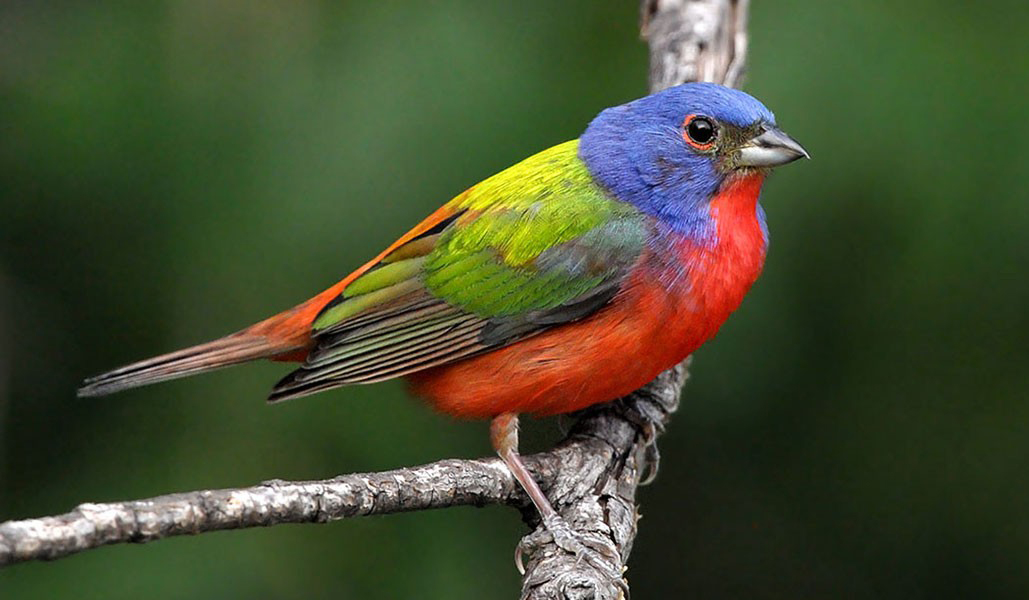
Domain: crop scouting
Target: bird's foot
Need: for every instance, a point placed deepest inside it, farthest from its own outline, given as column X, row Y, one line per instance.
column 651, row 459
column 595, row 550
column 648, row 425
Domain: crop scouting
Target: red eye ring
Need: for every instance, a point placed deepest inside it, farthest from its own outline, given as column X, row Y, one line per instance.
column 699, row 131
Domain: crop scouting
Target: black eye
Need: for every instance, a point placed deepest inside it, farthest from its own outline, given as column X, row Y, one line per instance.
column 701, row 130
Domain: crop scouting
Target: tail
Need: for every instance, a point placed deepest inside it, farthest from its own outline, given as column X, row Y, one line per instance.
column 285, row 336
column 223, row 352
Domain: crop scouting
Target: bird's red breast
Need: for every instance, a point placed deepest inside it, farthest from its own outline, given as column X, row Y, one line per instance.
column 653, row 324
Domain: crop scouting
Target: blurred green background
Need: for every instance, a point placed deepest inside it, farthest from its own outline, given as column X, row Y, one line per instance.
column 172, row 171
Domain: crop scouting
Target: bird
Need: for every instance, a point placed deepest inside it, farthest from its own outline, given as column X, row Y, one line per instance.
column 569, row 279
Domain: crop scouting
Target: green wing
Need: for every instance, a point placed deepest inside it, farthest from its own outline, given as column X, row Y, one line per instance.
column 535, row 246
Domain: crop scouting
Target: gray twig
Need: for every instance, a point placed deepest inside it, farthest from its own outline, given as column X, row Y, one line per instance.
column 437, row 485
column 591, row 478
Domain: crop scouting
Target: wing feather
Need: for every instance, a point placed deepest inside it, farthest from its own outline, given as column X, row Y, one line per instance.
column 531, row 248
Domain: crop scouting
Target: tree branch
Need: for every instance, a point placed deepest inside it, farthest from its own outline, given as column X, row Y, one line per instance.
column 437, row 485
column 695, row 40
column 591, row 477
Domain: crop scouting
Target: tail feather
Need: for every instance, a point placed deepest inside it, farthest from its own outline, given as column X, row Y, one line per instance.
column 287, row 390
column 223, row 352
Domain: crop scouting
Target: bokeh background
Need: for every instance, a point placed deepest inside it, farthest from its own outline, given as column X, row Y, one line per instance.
column 171, row 171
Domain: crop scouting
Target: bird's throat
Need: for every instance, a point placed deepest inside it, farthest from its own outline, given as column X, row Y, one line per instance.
column 737, row 197
column 719, row 271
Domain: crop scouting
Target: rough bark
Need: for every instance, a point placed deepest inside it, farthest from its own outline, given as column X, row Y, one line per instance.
column 591, row 477
column 695, row 40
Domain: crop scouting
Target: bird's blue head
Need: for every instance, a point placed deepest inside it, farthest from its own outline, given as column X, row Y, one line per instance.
column 670, row 152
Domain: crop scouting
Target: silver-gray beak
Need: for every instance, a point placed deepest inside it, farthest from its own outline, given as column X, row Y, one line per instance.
column 770, row 148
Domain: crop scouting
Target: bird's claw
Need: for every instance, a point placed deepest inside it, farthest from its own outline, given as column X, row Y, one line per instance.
column 649, row 427
column 599, row 555
column 651, row 455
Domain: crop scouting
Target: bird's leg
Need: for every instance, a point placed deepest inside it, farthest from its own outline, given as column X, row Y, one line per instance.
column 504, row 436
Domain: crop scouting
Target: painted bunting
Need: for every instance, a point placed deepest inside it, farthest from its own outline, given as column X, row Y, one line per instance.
column 572, row 278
